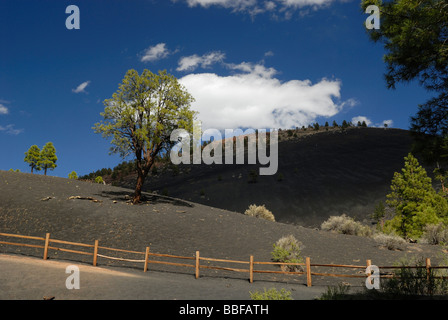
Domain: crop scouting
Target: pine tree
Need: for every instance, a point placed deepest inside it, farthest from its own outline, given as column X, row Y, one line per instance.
column 48, row 157
column 32, row 157
column 73, row 175
column 415, row 201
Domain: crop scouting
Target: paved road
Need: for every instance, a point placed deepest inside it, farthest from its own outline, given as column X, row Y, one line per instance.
column 27, row 278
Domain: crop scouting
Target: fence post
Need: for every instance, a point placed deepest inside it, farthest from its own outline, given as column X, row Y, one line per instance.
column 197, row 265
column 308, row 272
column 95, row 253
column 428, row 268
column 47, row 241
column 251, row 269
column 146, row 259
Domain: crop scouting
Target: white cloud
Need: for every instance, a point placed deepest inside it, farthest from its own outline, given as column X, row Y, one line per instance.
column 3, row 109
column 190, row 63
column 253, row 97
column 361, row 119
column 9, row 129
column 255, row 7
column 304, row 3
column 157, row 52
column 389, row 123
column 82, row 87
column 235, row 4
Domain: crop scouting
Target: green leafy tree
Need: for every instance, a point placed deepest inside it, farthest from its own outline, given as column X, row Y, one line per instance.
column 415, row 201
column 48, row 157
column 141, row 115
column 32, row 157
column 73, row 175
column 414, row 34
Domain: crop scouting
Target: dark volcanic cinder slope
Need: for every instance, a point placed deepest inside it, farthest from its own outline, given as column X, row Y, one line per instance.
column 34, row 205
column 319, row 175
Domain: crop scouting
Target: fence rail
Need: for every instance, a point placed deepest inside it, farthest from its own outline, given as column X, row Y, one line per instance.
column 197, row 260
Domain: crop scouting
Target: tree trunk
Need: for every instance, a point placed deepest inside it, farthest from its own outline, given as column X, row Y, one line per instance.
column 142, row 171
column 138, row 187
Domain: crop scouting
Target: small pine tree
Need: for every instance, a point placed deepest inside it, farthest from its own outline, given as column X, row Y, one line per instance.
column 253, row 176
column 415, row 201
column 73, row 175
column 335, row 124
column 48, row 157
column 32, row 157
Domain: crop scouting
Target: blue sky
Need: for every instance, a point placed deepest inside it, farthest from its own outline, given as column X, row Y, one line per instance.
column 248, row 63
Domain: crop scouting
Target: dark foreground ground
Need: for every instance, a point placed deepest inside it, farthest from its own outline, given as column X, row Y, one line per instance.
column 34, row 205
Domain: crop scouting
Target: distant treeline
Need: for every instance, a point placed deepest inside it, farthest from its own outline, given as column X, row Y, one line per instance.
column 122, row 169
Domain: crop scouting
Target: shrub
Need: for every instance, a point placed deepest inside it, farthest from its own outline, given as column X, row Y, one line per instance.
column 99, row 179
column 260, row 212
column 390, row 241
column 339, row 292
column 346, row 225
column 414, row 281
column 435, row 234
column 271, row 294
column 288, row 249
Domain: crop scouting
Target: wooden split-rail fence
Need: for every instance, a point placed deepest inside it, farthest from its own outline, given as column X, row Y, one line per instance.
column 197, row 258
